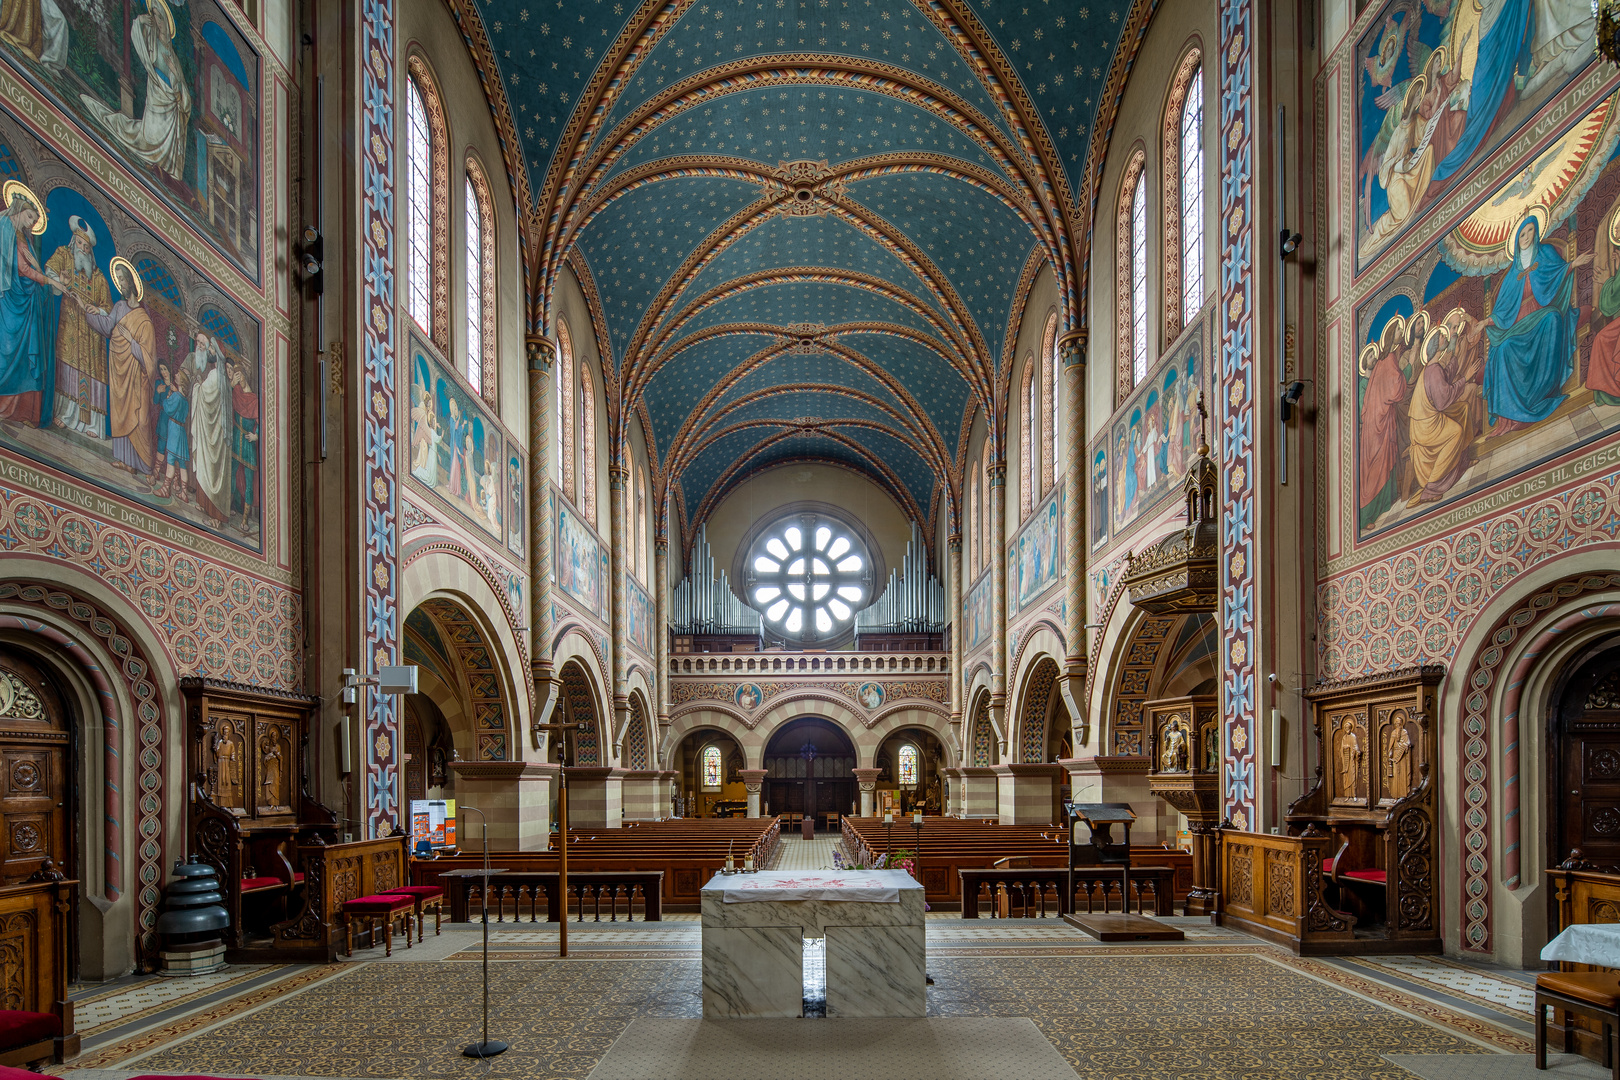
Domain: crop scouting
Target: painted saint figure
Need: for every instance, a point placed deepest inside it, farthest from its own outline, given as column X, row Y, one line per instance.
column 160, row 134
column 1532, row 337
column 1442, row 417
column 81, row 353
column 173, row 409
column 27, row 326
column 212, row 428
column 245, row 442
column 131, row 368
column 1379, row 446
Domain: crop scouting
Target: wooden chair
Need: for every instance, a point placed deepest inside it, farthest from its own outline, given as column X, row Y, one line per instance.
column 384, row 907
column 1592, row 995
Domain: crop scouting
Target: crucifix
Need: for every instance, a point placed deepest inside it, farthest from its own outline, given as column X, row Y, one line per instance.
column 562, row 830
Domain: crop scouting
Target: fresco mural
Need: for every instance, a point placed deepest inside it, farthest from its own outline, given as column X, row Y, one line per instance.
column 638, row 616
column 1099, row 496
column 119, row 363
column 977, row 615
column 456, row 449
column 516, row 502
column 170, row 87
column 1035, row 557
column 1154, row 436
column 1498, row 347
column 580, row 561
column 1442, row 83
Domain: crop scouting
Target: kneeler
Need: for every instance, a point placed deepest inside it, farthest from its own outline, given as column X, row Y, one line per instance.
column 425, row 896
column 385, row 907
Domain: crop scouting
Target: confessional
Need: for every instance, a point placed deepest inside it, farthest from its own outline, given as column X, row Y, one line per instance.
column 284, row 873
column 1358, row 871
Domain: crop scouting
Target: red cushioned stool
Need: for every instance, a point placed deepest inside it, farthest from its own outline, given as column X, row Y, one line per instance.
column 426, row 896
column 27, row 1038
column 1592, row 995
column 384, row 906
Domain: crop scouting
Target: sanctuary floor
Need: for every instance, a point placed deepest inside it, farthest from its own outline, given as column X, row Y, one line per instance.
column 1217, row 1005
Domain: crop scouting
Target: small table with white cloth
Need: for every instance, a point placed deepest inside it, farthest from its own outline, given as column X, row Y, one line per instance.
column 754, row 926
column 1586, row 943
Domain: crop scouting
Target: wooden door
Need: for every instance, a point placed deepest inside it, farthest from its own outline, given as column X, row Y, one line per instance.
column 1586, row 800
column 36, row 806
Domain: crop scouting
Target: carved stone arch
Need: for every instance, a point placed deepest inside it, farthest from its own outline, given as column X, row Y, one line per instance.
column 982, row 749
column 682, row 725
column 485, row 676
column 909, row 716
column 582, row 702
column 638, row 741
column 820, row 706
column 1035, row 697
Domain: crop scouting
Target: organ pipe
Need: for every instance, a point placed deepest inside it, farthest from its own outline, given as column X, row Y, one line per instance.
column 913, row 602
column 703, row 602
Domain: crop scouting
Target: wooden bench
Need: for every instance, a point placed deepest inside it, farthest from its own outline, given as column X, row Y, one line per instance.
column 38, row 1024
column 1039, row 892
column 1583, row 893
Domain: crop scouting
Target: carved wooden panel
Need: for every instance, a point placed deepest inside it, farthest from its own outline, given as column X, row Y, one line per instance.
column 384, row 871
column 27, row 774
column 1279, row 883
column 1240, row 884
column 1347, row 768
column 1400, row 748
column 345, row 881
column 273, row 767
column 225, row 761
column 688, row 882
column 19, row 958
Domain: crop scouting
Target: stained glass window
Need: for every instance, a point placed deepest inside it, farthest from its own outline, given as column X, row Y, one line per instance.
column 587, row 446
column 712, row 765
column 808, row 576
column 1139, row 342
column 475, row 290
column 418, row 214
column 565, row 409
column 1192, row 199
column 908, row 766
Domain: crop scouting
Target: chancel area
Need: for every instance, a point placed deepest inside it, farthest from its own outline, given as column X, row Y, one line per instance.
column 797, row 538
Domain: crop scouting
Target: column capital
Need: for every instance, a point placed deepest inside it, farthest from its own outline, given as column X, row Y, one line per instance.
column 542, row 351
column 953, row 542
column 752, row 779
column 618, row 476
column 1071, row 346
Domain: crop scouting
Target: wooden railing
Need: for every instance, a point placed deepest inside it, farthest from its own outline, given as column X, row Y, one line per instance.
column 1040, row 891
column 844, row 663
column 586, row 892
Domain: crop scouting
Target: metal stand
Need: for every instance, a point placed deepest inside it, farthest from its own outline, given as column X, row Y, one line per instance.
column 488, row 1048
column 562, row 832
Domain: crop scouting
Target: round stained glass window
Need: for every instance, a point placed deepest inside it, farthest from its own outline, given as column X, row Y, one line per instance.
column 809, row 575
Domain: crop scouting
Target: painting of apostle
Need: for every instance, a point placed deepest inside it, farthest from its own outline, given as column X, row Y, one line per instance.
column 1497, row 348
column 131, row 369
column 81, row 353
column 244, row 444
column 27, row 330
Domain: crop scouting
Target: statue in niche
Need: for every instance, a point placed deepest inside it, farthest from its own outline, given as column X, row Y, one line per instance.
column 270, row 769
column 1351, row 756
column 1173, row 758
column 1212, row 748
column 228, row 767
column 1398, row 764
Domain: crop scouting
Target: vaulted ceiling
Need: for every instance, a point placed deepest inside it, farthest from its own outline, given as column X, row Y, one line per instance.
column 805, row 222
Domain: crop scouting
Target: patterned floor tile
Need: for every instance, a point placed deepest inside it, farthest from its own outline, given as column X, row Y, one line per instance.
column 152, row 993
column 1467, row 982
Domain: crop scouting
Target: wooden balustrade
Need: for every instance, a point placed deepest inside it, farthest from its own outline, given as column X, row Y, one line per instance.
column 842, row 663
column 1272, row 887
column 1040, row 891
column 588, row 891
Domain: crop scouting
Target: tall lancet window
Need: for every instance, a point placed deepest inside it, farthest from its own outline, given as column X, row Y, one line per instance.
column 426, row 191
column 565, row 409
column 480, row 274
column 1139, row 335
column 712, row 768
column 1192, row 200
column 907, row 772
column 587, row 446
column 1130, row 277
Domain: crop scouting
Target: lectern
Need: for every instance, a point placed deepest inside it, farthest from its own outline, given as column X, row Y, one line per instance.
column 1092, row 843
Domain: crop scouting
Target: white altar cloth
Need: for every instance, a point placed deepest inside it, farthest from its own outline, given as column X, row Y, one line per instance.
column 1586, row 943
column 848, row 886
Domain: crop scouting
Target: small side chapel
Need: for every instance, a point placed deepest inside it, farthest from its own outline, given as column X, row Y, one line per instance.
column 502, row 497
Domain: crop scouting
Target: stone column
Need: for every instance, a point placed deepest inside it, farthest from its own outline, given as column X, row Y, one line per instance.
column 661, row 629
column 960, row 731
column 595, row 797
column 619, row 545
column 1027, row 794
column 515, row 797
column 866, row 780
column 753, row 780
column 1077, row 538
column 542, row 354
column 996, row 474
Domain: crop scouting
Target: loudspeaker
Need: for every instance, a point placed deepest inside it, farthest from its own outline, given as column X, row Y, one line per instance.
column 397, row 679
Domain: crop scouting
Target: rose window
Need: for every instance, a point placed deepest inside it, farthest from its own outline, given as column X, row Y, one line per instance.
column 809, row 575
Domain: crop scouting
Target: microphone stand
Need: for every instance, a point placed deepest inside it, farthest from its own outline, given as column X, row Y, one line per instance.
column 488, row 1048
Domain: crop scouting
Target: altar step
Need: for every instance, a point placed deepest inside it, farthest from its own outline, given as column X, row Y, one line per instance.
column 935, row 1048
column 1125, row 927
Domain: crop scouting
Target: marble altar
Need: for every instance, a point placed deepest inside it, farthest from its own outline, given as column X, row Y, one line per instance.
column 754, row 926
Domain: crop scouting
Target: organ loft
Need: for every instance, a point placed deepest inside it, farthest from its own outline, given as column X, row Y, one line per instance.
column 665, row 539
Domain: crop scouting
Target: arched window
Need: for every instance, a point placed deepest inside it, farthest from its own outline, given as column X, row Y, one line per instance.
column 975, row 539
column 641, row 524
column 984, row 514
column 907, row 773
column 713, row 768
column 1130, row 278
column 1184, row 195
column 808, row 575
column 587, row 446
column 1029, row 437
column 480, row 283
column 1049, row 397
column 427, row 191
column 565, row 410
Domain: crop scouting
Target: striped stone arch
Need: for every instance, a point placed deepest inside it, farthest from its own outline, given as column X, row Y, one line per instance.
column 484, row 688
column 583, row 703
column 820, row 706
column 981, row 737
column 444, row 574
column 868, row 741
column 1027, row 740
column 638, row 741
column 976, row 690
column 684, row 723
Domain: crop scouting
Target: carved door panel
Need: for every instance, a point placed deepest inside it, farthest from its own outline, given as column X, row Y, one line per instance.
column 36, row 804
column 1587, row 796
column 1398, row 745
column 226, row 763
column 1348, row 765
column 273, row 768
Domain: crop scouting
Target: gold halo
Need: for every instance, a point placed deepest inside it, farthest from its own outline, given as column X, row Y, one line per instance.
column 157, row 6
column 1614, row 230
column 135, row 276
column 1385, row 339
column 1439, row 329
column 1439, row 54
column 1534, row 210
column 1414, row 91
column 1453, row 313
column 1412, row 331
column 1369, row 355
column 14, row 188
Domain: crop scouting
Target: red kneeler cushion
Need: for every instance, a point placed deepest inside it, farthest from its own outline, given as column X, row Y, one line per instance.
column 249, row 884
column 379, row 902
column 1376, row 876
column 420, row 892
column 18, row 1028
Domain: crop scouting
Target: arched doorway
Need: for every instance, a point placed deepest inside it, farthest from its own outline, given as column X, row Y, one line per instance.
column 1584, row 763
column 709, row 764
column 810, row 769
column 909, row 762
column 39, row 802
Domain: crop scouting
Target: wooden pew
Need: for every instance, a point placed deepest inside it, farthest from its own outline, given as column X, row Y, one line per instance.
column 330, row 875
column 34, row 936
column 1272, row 887
column 1582, row 893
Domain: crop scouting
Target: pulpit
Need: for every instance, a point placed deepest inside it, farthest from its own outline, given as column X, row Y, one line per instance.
column 1185, row 751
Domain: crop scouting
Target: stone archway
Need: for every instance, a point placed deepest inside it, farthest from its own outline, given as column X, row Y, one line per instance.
column 810, row 766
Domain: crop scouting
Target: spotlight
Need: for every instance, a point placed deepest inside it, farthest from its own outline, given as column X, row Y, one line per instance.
column 310, row 260
column 1290, row 397
column 1290, row 242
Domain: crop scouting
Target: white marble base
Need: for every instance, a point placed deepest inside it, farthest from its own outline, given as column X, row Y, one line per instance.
column 753, row 971
column 876, row 971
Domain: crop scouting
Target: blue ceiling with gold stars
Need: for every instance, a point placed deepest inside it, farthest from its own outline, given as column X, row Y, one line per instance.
column 805, row 220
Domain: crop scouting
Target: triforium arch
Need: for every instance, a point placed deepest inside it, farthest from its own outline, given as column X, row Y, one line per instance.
column 1039, row 708
column 639, row 748
column 581, row 703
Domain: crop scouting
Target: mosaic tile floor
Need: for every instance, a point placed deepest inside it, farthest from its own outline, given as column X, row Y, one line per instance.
column 1498, row 990
column 797, row 853
column 1126, row 1012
